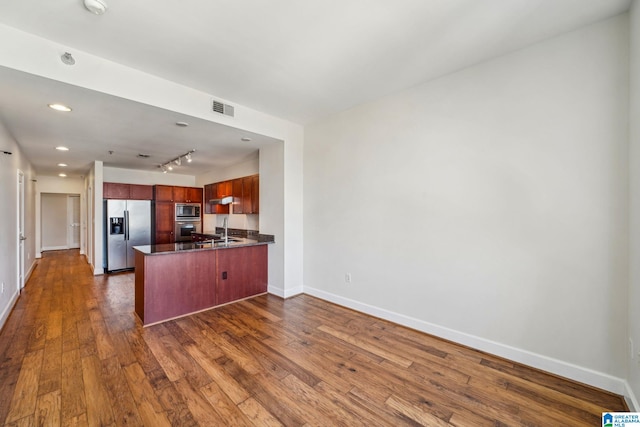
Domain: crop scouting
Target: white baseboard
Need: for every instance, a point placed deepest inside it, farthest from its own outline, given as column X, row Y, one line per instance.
column 282, row 293
column 54, row 248
column 630, row 396
column 554, row 366
column 29, row 271
column 5, row 314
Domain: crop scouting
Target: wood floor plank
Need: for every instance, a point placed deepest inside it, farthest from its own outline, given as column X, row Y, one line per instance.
column 50, row 378
column 23, row 401
column 73, row 353
column 72, row 387
column 123, row 405
column 48, row 410
column 257, row 414
column 99, row 409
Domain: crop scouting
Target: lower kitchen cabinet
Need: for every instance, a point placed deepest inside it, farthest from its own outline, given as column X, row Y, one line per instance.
column 241, row 272
column 179, row 283
column 172, row 285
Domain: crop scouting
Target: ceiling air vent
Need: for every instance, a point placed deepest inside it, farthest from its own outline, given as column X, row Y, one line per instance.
column 221, row 108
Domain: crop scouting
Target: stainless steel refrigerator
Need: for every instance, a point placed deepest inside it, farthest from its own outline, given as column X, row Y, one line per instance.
column 128, row 224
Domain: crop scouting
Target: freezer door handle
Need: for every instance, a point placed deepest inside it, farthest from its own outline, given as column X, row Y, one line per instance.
column 126, row 225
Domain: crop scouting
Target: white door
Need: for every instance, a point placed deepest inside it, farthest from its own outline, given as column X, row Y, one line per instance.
column 21, row 236
column 73, row 219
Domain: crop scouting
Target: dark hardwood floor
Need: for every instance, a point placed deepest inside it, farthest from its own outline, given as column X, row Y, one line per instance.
column 73, row 353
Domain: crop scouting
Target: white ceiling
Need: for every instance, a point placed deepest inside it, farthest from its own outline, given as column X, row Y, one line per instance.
column 298, row 60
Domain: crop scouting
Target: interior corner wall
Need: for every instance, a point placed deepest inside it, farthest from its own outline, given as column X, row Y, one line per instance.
column 9, row 166
column 97, row 222
column 633, row 356
column 488, row 207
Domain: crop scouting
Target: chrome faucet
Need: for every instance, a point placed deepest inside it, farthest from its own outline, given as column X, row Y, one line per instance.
column 225, row 224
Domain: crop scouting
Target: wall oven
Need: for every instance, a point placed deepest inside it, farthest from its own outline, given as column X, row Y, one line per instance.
column 184, row 229
column 187, row 211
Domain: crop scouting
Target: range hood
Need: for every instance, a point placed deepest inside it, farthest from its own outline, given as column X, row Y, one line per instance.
column 223, row 201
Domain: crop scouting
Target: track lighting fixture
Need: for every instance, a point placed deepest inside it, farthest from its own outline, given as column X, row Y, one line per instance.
column 177, row 161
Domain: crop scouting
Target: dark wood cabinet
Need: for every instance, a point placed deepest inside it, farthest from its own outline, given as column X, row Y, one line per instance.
column 241, row 273
column 116, row 190
column 255, row 194
column 193, row 194
column 163, row 193
column 140, row 192
column 173, row 285
column 179, row 194
column 245, row 192
column 164, row 222
column 210, row 192
column 180, row 283
column 238, row 196
column 223, row 189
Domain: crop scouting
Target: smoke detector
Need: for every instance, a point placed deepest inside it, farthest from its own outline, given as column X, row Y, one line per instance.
column 97, row 7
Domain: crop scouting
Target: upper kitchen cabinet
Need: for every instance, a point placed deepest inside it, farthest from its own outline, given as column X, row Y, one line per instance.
column 246, row 195
column 245, row 192
column 193, row 194
column 168, row 193
column 115, row 190
column 255, row 194
column 210, row 192
column 163, row 193
column 238, row 194
column 223, row 189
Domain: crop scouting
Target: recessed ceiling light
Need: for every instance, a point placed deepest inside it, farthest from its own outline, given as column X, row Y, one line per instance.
column 245, row 139
column 62, row 165
column 63, row 175
column 97, row 7
column 61, row 148
column 182, row 124
column 60, row 107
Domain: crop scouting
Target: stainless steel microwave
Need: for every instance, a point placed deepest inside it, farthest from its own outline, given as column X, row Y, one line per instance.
column 187, row 211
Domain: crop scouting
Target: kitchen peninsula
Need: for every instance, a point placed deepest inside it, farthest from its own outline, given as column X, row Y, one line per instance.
column 176, row 279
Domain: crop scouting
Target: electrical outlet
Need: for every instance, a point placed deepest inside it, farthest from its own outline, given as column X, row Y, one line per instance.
column 347, row 278
column 2, row 288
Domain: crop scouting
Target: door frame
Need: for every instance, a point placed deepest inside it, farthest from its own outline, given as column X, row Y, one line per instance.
column 20, row 238
column 73, row 227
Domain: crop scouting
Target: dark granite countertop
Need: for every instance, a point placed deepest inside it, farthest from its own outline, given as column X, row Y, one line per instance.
column 234, row 242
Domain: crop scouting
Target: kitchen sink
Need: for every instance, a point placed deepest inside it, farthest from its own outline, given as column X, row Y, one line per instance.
column 230, row 239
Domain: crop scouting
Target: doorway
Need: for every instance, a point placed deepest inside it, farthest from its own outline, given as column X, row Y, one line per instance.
column 60, row 221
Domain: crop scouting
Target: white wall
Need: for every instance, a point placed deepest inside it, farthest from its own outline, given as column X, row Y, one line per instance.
column 634, row 191
column 488, row 206
column 130, row 176
column 53, row 223
column 9, row 166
